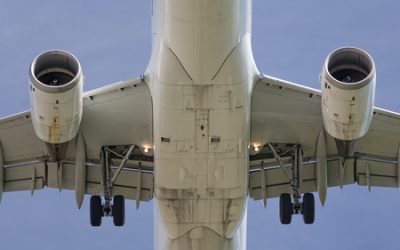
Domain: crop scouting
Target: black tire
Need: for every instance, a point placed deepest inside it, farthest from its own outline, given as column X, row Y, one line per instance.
column 119, row 210
column 285, row 208
column 96, row 211
column 308, row 208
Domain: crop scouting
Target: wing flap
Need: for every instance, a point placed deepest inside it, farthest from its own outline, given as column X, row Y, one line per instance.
column 25, row 177
column 19, row 141
column 277, row 182
column 377, row 173
column 128, row 183
column 34, row 176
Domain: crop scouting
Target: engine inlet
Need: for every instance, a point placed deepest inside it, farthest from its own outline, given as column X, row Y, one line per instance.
column 350, row 68
column 55, row 71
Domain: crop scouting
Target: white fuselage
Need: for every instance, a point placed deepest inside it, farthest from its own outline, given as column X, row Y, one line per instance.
column 201, row 75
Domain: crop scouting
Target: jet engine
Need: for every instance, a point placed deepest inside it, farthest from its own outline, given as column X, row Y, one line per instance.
column 56, row 86
column 348, row 91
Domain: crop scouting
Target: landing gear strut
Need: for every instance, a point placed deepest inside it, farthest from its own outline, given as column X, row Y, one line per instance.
column 295, row 203
column 113, row 206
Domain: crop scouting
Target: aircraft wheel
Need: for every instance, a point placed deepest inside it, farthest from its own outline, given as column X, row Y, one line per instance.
column 96, row 211
column 308, row 208
column 285, row 208
column 119, row 210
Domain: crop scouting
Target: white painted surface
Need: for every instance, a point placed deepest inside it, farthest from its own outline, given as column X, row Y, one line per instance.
column 347, row 109
column 201, row 75
column 56, row 111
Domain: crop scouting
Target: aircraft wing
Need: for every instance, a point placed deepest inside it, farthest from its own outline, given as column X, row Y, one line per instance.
column 118, row 116
column 286, row 114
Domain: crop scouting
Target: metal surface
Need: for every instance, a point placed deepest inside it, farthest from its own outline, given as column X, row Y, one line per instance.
column 368, row 177
column 33, row 181
column 263, row 185
column 346, row 149
column 1, row 172
column 201, row 78
column 56, row 109
column 297, row 164
column 278, row 159
column 52, row 62
column 106, row 181
column 353, row 60
column 56, row 151
column 347, row 105
column 60, row 176
column 201, row 87
column 322, row 167
column 139, row 187
column 125, row 158
column 398, row 167
column 80, row 172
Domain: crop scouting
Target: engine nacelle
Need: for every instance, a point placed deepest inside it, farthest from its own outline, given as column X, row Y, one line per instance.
column 56, row 86
column 348, row 92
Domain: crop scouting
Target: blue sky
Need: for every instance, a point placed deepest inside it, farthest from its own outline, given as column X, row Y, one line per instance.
column 290, row 40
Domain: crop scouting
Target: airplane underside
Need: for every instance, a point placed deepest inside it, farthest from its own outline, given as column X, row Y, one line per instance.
column 201, row 131
column 204, row 238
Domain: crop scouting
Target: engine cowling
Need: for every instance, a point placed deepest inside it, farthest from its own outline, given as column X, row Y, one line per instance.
column 56, row 87
column 348, row 81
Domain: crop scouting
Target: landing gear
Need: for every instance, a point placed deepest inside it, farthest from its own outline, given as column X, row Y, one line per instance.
column 308, row 208
column 96, row 211
column 285, row 208
column 113, row 206
column 295, row 203
column 99, row 210
column 119, row 211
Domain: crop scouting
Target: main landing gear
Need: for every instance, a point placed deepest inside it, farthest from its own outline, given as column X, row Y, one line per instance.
column 295, row 203
column 113, row 206
column 99, row 210
column 287, row 208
